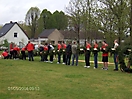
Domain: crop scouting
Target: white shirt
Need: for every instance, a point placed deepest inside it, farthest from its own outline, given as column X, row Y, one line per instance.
column 116, row 45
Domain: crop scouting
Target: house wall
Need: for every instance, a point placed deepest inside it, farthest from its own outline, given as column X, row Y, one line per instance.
column 56, row 36
column 21, row 37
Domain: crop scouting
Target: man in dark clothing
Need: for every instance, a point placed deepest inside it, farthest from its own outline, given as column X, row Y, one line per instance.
column 68, row 54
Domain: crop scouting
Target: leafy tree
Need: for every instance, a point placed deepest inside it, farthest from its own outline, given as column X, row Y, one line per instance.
column 6, row 44
column 48, row 20
column 60, row 20
column 114, row 17
column 44, row 20
column 31, row 19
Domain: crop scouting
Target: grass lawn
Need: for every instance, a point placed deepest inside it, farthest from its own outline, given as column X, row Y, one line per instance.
column 38, row 80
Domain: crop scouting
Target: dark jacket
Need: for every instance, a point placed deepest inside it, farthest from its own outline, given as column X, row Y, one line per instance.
column 68, row 49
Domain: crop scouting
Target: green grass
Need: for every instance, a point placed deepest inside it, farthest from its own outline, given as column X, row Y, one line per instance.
column 110, row 58
column 55, row 81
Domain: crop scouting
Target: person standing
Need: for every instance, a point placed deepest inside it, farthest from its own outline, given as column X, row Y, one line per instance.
column 116, row 55
column 104, row 55
column 59, row 47
column 16, row 50
column 51, row 52
column 23, row 53
column 74, row 53
column 30, row 48
column 95, row 52
column 68, row 54
column 64, row 53
column 11, row 50
column 46, row 52
column 87, row 55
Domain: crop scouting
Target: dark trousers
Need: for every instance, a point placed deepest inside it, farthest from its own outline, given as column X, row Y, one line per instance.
column 30, row 55
column 59, row 58
column 96, row 60
column 6, row 57
column 11, row 54
column 64, row 58
column 46, row 57
column 51, row 58
column 23, row 55
column 68, row 59
column 14, row 54
column 42, row 56
column 115, row 61
column 87, row 58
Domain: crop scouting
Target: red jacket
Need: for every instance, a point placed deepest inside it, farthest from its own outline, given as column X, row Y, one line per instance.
column 5, row 54
column 95, row 45
column 59, row 46
column 88, row 46
column 11, row 47
column 16, row 49
column 45, row 48
column 64, row 46
column 30, row 47
column 23, row 49
column 105, row 53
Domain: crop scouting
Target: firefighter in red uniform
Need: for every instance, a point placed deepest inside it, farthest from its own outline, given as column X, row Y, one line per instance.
column 104, row 55
column 23, row 53
column 5, row 54
column 30, row 48
column 59, row 47
column 11, row 50
column 64, row 53
column 46, row 52
column 16, row 50
column 87, row 55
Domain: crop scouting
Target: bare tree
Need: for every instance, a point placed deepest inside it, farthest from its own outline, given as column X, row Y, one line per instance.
column 31, row 19
column 74, row 11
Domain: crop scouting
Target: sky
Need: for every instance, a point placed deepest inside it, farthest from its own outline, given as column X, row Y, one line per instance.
column 15, row 10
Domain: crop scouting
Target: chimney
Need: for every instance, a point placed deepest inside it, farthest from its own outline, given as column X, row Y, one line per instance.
column 11, row 22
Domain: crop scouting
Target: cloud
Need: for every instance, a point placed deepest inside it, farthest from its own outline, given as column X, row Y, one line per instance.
column 15, row 10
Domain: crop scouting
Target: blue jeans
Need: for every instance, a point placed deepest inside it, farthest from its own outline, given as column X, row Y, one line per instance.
column 96, row 60
column 74, row 56
column 116, row 63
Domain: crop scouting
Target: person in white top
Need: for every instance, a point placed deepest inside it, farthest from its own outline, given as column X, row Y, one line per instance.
column 116, row 55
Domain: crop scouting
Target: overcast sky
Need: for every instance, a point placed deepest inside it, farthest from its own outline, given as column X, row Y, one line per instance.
column 15, row 10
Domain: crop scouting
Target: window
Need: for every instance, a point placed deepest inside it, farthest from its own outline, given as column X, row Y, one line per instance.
column 15, row 34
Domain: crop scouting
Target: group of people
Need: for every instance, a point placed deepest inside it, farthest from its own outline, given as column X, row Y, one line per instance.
column 69, row 53
column 14, row 52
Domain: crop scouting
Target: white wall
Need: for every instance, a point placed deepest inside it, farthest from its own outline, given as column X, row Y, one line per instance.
column 21, row 37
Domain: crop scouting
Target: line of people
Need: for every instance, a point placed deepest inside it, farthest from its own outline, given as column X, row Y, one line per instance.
column 65, row 51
